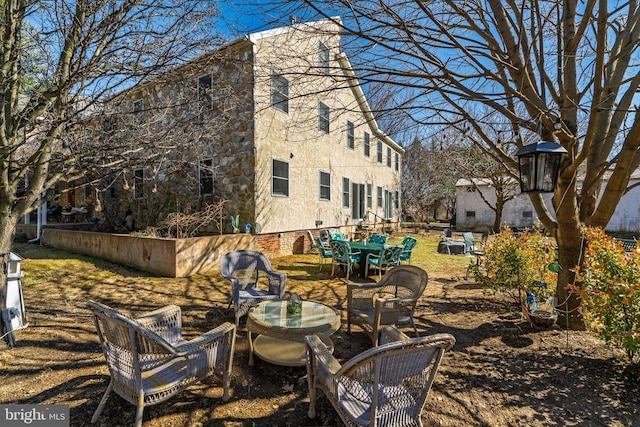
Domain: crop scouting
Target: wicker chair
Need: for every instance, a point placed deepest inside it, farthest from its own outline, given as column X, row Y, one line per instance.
column 148, row 360
column 246, row 270
column 383, row 386
column 391, row 301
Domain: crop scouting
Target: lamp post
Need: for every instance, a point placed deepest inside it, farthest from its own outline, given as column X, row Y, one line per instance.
column 539, row 164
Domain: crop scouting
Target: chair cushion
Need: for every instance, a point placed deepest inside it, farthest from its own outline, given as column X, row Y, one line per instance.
column 252, row 293
column 164, row 377
column 355, row 399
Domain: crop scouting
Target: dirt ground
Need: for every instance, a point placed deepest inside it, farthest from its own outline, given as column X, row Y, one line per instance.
column 501, row 372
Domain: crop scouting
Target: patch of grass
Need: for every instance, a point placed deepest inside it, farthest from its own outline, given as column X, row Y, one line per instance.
column 57, row 272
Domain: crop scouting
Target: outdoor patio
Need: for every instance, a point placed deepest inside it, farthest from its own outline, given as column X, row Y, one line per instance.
column 501, row 371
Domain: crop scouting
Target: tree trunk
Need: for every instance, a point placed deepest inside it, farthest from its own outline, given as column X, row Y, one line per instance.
column 569, row 253
column 7, row 233
column 497, row 221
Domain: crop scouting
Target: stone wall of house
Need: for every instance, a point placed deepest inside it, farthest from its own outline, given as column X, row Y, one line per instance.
column 191, row 127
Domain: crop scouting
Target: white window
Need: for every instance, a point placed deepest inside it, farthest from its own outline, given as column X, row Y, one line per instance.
column 138, row 183
column 323, row 58
column 206, row 177
column 345, row 192
column 279, row 92
column 325, row 186
column 389, row 156
column 280, row 182
column 369, row 195
column 205, row 90
column 367, row 144
column 323, row 117
column 379, row 152
column 351, row 136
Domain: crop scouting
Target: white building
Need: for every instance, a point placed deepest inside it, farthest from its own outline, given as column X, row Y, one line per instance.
column 474, row 214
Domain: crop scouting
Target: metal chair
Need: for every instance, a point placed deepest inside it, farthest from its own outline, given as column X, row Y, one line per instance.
column 247, row 270
column 391, row 301
column 342, row 255
column 378, row 238
column 148, row 360
column 384, row 386
column 409, row 243
column 388, row 258
column 324, row 252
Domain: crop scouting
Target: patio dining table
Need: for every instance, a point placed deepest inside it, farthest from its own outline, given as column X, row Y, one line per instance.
column 365, row 249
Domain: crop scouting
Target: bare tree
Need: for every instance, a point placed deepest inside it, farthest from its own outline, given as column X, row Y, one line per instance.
column 429, row 175
column 60, row 61
column 481, row 169
column 533, row 65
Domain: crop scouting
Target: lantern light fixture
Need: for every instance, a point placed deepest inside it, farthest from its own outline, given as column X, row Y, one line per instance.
column 539, row 164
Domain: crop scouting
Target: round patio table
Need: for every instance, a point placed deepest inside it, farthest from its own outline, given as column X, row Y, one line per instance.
column 281, row 334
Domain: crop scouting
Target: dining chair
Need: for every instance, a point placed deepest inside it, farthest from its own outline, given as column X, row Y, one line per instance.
column 378, row 238
column 388, row 258
column 324, row 252
column 409, row 244
column 149, row 361
column 342, row 255
column 383, row 386
column 252, row 280
column 391, row 301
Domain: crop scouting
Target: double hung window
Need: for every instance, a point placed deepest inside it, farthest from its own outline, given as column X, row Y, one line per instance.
column 206, row 177
column 279, row 92
column 323, row 117
column 325, row 186
column 280, row 178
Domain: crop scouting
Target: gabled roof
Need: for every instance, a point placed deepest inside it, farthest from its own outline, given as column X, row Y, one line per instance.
column 362, row 102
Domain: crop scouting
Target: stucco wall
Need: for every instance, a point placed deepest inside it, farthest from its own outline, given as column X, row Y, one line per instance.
column 295, row 137
column 518, row 212
column 626, row 217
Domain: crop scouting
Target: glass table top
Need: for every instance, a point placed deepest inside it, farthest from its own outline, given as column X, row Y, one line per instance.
column 314, row 315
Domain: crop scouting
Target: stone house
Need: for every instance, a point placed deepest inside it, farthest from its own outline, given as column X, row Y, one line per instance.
column 274, row 124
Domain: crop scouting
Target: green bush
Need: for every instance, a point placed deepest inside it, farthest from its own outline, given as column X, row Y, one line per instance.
column 609, row 284
column 513, row 265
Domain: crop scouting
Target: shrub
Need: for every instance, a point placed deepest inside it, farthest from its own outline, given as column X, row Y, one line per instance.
column 517, row 264
column 609, row 285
